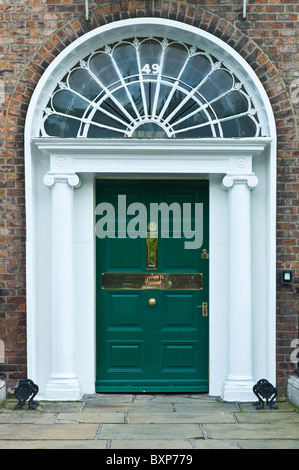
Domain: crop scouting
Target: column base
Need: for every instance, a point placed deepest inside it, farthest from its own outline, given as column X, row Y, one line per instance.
column 293, row 389
column 63, row 388
column 238, row 388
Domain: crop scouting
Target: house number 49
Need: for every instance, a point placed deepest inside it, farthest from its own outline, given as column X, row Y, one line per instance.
column 155, row 68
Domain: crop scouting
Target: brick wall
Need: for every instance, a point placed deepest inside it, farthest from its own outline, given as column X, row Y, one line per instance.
column 33, row 32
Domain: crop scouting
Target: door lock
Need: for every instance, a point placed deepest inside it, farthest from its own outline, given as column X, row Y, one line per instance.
column 204, row 307
column 152, row 302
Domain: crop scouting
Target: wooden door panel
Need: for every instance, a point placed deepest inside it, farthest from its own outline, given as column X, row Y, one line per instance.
column 175, row 257
column 124, row 357
column 179, row 312
column 180, row 357
column 122, row 253
column 151, row 348
column 123, row 310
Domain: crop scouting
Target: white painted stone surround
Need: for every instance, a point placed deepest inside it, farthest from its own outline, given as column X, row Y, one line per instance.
column 60, row 175
column 2, row 391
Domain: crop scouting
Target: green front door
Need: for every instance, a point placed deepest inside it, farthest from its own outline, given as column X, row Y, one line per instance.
column 151, row 287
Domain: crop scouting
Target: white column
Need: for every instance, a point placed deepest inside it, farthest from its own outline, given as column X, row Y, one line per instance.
column 63, row 383
column 239, row 379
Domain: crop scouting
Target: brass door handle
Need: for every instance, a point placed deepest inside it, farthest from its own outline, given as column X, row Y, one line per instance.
column 152, row 302
column 204, row 307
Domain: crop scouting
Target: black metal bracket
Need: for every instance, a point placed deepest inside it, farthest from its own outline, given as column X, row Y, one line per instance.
column 264, row 389
column 26, row 390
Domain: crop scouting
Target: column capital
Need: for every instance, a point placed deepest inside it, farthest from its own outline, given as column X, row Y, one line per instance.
column 230, row 180
column 68, row 178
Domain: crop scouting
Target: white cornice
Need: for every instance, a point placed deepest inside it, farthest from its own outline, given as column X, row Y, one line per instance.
column 205, row 156
column 251, row 146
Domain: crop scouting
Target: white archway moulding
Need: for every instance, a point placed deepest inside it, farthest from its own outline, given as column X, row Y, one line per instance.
column 60, row 177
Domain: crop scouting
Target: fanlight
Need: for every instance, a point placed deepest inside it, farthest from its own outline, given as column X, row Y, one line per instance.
column 150, row 88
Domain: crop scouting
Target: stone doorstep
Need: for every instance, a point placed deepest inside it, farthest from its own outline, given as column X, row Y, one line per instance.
column 2, row 391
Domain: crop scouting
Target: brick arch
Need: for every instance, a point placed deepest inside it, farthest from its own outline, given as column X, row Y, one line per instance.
column 187, row 13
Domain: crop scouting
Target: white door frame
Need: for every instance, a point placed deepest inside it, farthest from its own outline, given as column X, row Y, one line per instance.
column 228, row 165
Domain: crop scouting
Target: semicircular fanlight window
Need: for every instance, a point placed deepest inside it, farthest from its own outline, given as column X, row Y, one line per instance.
column 150, row 88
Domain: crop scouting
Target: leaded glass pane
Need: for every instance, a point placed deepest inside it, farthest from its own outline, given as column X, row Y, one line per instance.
column 110, row 107
column 216, row 84
column 184, row 112
column 121, row 97
column 198, row 68
column 150, row 53
column 61, row 126
column 125, row 57
column 149, row 130
column 101, row 133
column 241, row 127
column 175, row 57
column 67, row 102
column 232, row 104
column 202, row 132
column 134, row 90
column 150, row 88
column 176, row 98
column 108, row 121
column 102, row 67
column 80, row 81
column 149, row 91
column 195, row 120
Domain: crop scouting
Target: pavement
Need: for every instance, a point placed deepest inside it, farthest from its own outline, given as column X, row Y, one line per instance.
column 153, row 421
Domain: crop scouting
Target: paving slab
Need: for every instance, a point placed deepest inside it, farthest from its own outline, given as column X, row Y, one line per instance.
column 109, row 398
column 253, row 431
column 150, row 431
column 57, row 407
column 282, row 407
column 45, row 406
column 53, row 431
column 209, row 407
column 269, row 444
column 187, row 418
column 215, row 444
column 148, row 421
column 203, row 397
column 143, row 397
column 128, row 407
column 151, row 444
column 54, row 444
column 26, row 417
column 91, row 417
column 178, row 398
column 267, row 417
